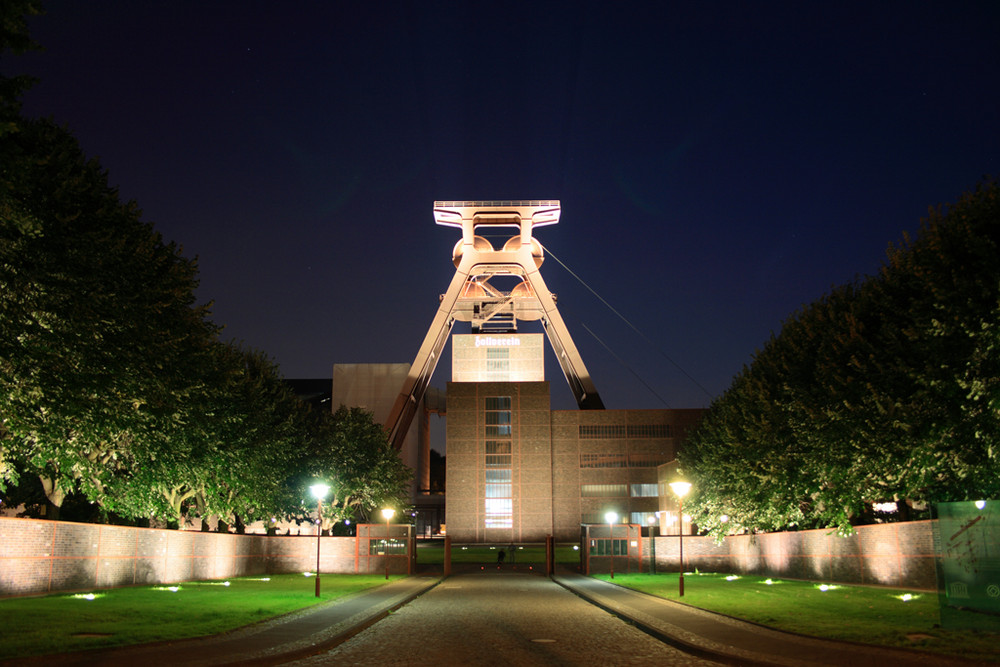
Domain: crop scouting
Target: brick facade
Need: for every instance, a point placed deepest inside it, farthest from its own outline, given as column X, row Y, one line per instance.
column 899, row 555
column 566, row 466
column 47, row 556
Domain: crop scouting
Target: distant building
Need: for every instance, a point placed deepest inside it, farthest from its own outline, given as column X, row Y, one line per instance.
column 516, row 470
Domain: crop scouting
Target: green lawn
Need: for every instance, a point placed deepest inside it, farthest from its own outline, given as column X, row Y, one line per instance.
column 72, row 622
column 853, row 613
column 32, row 626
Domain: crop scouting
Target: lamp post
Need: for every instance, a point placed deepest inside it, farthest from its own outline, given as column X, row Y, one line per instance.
column 681, row 489
column 387, row 513
column 652, row 542
column 611, row 518
column 319, row 492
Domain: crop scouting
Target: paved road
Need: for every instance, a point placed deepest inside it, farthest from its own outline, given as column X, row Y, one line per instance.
column 503, row 619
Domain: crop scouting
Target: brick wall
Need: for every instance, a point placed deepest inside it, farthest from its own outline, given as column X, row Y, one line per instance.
column 893, row 554
column 47, row 556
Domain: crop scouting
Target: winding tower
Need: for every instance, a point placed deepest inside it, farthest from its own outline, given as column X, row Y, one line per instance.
column 493, row 289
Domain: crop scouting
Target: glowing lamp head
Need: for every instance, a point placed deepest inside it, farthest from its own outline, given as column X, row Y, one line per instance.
column 680, row 489
column 319, row 491
column 387, row 513
column 611, row 517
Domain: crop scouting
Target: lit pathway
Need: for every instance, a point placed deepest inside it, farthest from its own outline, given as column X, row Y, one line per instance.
column 504, row 619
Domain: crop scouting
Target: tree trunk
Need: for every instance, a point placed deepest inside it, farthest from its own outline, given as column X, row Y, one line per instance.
column 54, row 496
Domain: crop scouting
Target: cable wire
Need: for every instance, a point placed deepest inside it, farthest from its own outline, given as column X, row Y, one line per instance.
column 631, row 326
column 627, row 367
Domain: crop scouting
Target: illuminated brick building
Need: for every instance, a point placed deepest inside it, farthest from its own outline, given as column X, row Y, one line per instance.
column 517, row 470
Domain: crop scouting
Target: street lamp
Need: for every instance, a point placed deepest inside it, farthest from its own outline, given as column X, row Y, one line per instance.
column 652, row 541
column 319, row 492
column 681, row 489
column 387, row 513
column 611, row 518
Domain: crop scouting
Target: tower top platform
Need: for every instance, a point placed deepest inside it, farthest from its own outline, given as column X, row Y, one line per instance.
column 497, row 213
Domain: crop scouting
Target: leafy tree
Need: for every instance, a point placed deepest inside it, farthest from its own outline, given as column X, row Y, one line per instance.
column 886, row 389
column 351, row 453
column 239, row 440
column 100, row 331
column 14, row 38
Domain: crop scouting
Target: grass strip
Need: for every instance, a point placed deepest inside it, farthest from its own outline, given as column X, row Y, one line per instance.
column 137, row 615
column 880, row 616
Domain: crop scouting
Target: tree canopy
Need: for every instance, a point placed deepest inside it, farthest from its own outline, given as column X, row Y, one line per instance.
column 883, row 390
column 114, row 385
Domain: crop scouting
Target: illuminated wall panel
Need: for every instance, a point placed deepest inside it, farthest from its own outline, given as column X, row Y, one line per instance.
column 497, row 358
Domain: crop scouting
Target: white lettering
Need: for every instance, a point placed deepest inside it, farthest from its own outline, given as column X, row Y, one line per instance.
column 490, row 341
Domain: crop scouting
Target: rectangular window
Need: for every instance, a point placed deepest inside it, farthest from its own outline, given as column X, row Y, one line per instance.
column 498, row 476
column 649, row 431
column 497, row 417
column 499, row 512
column 643, row 518
column 644, row 491
column 621, row 431
column 382, row 547
column 498, row 403
column 498, row 446
column 646, row 460
column 498, row 491
column 602, row 431
column 602, row 490
column 607, row 547
column 498, row 460
column 602, row 460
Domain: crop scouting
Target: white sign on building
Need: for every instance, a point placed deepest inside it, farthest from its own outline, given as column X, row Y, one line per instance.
column 497, row 358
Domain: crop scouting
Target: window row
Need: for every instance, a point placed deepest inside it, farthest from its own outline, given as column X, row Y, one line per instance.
column 618, row 490
column 618, row 460
column 498, row 403
column 608, row 547
column 622, row 431
column 499, row 513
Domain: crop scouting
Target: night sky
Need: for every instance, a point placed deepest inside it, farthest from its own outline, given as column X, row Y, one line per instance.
column 719, row 164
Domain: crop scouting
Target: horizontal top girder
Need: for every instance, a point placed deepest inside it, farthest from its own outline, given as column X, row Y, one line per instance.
column 497, row 212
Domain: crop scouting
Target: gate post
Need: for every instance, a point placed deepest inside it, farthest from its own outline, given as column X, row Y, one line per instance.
column 447, row 555
column 550, row 556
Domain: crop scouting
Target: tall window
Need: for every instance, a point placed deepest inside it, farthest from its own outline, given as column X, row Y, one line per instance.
column 498, row 463
column 497, row 364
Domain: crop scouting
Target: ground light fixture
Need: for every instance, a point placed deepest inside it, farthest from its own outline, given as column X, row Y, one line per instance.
column 319, row 492
column 387, row 513
column 611, row 518
column 681, row 489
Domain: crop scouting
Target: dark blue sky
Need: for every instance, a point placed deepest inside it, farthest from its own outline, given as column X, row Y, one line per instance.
column 719, row 164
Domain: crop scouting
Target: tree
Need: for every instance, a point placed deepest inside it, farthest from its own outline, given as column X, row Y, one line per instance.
column 882, row 390
column 14, row 38
column 99, row 334
column 351, row 453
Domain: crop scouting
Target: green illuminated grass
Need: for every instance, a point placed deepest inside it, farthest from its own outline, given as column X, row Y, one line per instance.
column 852, row 613
column 33, row 626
